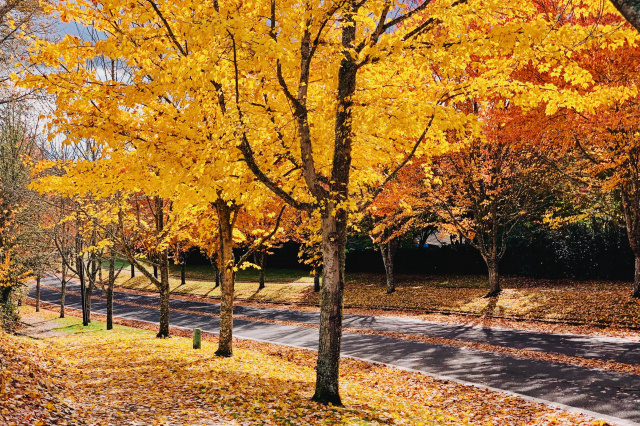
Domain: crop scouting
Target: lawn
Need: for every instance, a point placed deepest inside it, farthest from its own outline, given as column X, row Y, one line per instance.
column 129, row 377
column 566, row 301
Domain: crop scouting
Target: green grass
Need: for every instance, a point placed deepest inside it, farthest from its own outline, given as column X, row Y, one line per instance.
column 73, row 325
column 206, row 272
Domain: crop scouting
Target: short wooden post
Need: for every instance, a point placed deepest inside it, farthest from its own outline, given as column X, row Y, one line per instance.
column 197, row 338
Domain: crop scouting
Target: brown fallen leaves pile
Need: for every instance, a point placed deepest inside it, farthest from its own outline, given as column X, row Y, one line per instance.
column 121, row 378
column 28, row 394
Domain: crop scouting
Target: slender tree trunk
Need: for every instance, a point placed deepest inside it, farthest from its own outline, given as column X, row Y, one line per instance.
column 388, row 251
column 155, row 271
column 225, row 255
column 183, row 279
column 636, row 280
column 262, row 263
column 63, row 289
column 83, row 291
column 334, row 241
column 317, row 271
column 38, row 293
column 87, row 300
column 110, row 283
column 133, row 271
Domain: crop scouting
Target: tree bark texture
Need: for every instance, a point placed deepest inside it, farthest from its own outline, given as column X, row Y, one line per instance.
column 133, row 271
column 110, row 283
column 262, row 262
column 630, row 200
column 63, row 289
column 227, row 277
column 334, row 239
column 38, row 293
column 636, row 279
column 164, row 295
column 183, row 279
column 388, row 251
column 494, row 278
column 163, row 265
column 334, row 224
column 630, row 9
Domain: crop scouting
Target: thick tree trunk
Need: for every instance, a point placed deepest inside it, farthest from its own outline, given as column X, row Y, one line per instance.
column 38, row 293
column 262, row 263
column 316, row 279
column 63, row 290
column 630, row 9
column 631, row 208
column 494, row 278
column 334, row 241
column 226, row 264
column 388, row 251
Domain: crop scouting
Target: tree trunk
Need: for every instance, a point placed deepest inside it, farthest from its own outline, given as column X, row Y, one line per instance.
column 334, row 242
column 155, row 271
column 63, row 289
column 110, row 284
column 183, row 279
column 636, row 280
column 83, row 292
column 164, row 294
column 133, row 271
column 87, row 300
column 316, row 279
column 262, row 263
column 38, row 293
column 388, row 251
column 494, row 278
column 631, row 208
column 226, row 259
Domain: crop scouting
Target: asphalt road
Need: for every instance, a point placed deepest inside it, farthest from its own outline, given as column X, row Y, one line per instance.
column 613, row 396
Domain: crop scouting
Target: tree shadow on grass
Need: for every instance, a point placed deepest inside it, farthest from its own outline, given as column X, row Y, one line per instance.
column 489, row 311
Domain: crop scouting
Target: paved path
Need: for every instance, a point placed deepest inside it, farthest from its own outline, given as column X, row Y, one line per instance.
column 607, row 393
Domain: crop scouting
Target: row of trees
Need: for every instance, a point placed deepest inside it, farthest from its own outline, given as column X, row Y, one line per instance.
column 192, row 116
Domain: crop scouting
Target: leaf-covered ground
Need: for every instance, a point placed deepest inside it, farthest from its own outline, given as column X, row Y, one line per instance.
column 562, row 301
column 130, row 377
